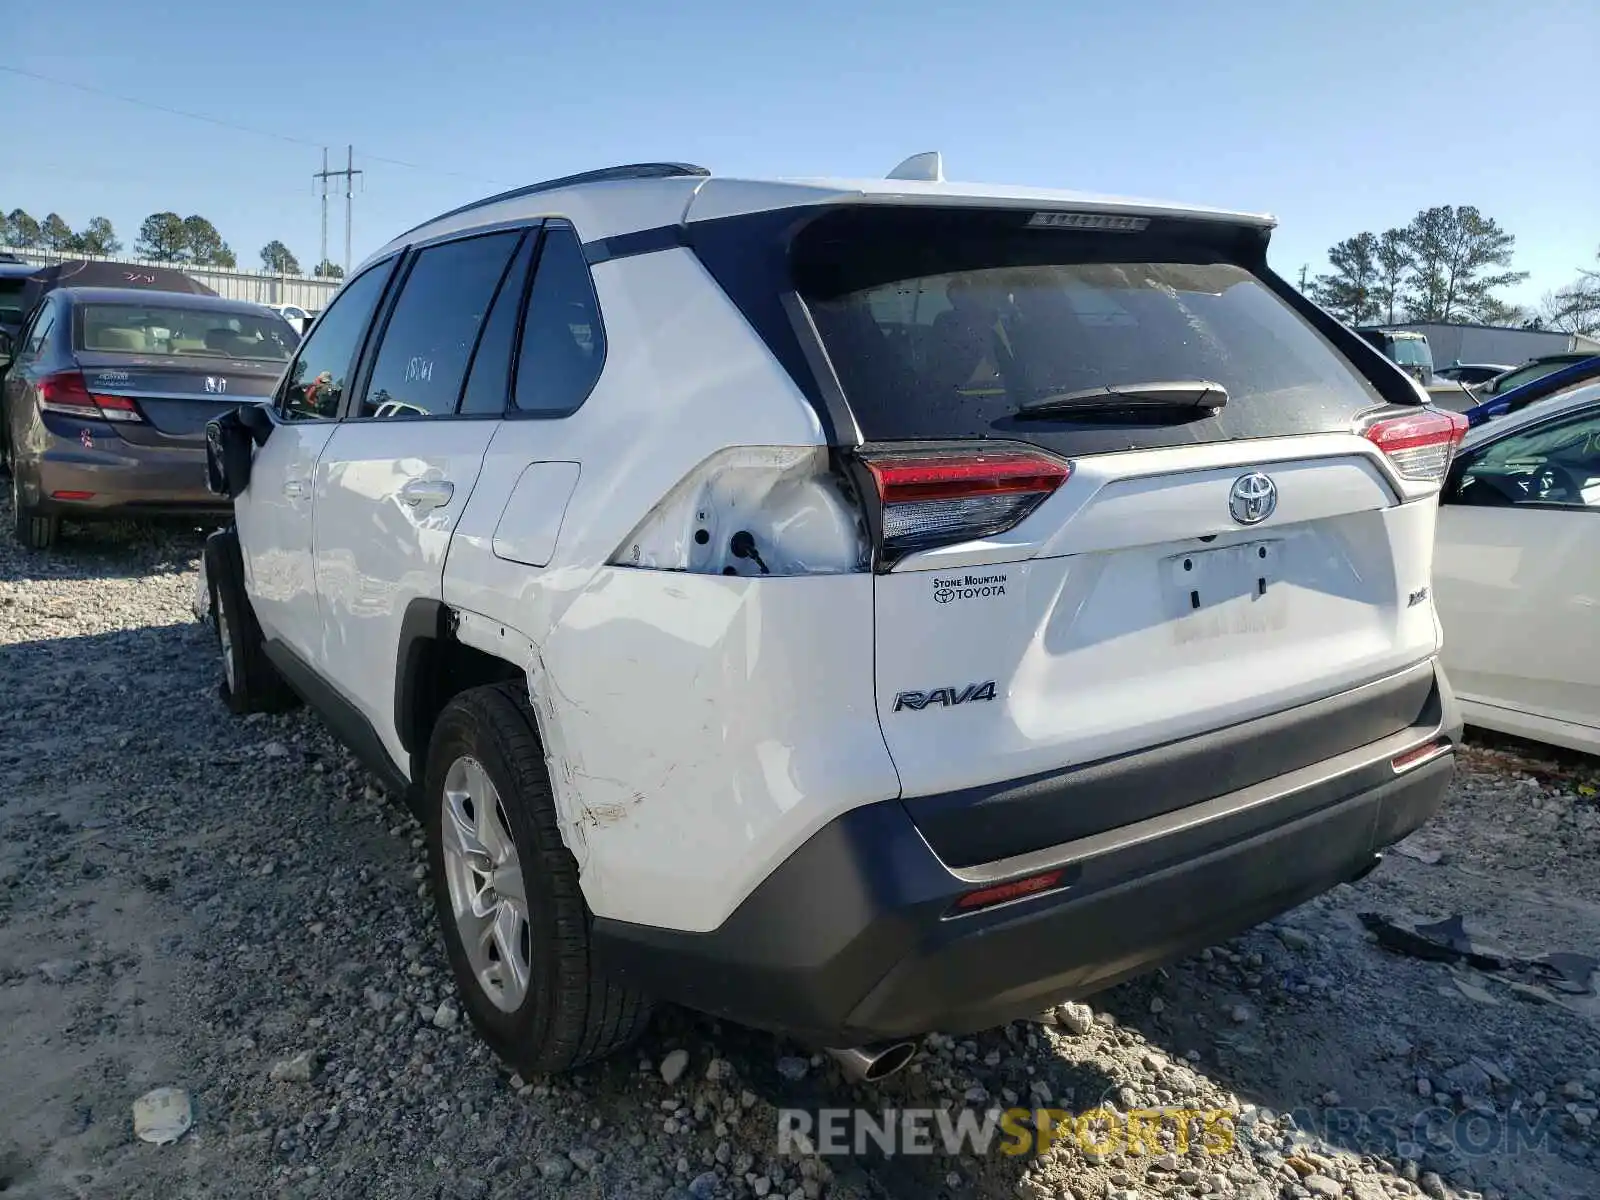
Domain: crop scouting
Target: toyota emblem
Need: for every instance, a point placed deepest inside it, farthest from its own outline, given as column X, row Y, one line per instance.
column 1252, row 498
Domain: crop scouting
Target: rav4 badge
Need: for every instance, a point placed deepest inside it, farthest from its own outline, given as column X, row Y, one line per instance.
column 944, row 697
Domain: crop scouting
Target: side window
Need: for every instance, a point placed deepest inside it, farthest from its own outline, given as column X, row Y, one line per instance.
column 489, row 378
column 42, row 325
column 563, row 342
column 321, row 371
column 1556, row 464
column 433, row 328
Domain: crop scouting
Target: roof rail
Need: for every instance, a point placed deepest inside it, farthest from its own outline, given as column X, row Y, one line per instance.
column 658, row 170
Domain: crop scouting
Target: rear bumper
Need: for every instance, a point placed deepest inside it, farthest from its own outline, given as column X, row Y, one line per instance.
column 120, row 476
column 851, row 939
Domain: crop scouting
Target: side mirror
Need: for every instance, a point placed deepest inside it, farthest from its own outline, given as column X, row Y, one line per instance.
column 230, row 442
column 257, row 420
column 7, row 350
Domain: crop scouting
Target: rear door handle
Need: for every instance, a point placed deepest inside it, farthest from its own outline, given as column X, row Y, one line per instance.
column 295, row 489
column 424, row 494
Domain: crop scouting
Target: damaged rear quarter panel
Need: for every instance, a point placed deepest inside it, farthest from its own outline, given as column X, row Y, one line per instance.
column 706, row 725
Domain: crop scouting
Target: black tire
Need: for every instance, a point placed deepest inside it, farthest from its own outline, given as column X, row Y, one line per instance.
column 34, row 530
column 250, row 683
column 571, row 1015
column 5, row 431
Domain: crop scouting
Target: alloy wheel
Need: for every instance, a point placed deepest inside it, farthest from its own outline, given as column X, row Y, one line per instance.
column 225, row 640
column 483, row 873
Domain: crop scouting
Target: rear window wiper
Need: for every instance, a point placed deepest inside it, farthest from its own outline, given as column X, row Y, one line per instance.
column 1200, row 396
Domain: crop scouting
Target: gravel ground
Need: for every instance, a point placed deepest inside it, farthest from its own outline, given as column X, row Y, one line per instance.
column 229, row 906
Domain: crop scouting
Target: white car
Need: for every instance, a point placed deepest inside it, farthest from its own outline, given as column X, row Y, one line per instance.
column 1517, row 572
column 851, row 608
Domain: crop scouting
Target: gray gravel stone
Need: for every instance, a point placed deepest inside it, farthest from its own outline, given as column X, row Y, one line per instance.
column 60, row 970
column 1466, row 1079
column 673, row 1066
column 1075, row 1018
column 266, row 904
column 298, row 1068
column 793, row 1069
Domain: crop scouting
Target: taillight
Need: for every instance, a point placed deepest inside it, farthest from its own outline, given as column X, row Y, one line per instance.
column 117, row 408
column 1419, row 444
column 66, row 392
column 927, row 500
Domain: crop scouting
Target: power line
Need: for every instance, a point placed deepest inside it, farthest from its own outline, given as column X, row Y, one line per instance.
column 73, row 171
column 234, row 125
column 176, row 112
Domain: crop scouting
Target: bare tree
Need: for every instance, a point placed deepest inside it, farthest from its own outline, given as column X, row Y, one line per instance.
column 1576, row 307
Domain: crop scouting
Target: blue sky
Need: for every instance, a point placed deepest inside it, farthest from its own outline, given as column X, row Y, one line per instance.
column 1335, row 117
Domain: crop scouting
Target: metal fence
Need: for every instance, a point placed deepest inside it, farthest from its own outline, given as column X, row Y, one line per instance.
column 263, row 287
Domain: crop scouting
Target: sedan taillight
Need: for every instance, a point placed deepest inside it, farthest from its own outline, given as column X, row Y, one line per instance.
column 66, row 392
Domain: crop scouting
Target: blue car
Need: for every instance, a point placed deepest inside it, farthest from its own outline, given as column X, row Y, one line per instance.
column 1538, row 389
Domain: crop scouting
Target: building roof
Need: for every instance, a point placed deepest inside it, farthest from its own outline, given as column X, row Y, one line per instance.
column 1470, row 325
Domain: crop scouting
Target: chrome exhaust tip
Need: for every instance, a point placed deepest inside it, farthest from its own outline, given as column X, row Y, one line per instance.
column 868, row 1064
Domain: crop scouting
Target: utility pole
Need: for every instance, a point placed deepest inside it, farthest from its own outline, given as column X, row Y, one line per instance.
column 1304, row 267
column 348, row 175
column 322, row 186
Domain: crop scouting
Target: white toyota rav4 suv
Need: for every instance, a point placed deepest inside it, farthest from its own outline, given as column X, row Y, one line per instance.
column 852, row 608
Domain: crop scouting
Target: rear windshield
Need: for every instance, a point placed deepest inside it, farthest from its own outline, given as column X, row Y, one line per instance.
column 1528, row 373
column 928, row 353
column 173, row 329
column 1411, row 352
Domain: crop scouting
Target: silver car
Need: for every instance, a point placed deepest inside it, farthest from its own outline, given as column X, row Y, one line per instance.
column 106, row 400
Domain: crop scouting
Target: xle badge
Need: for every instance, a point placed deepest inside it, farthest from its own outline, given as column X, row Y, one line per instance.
column 945, row 697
